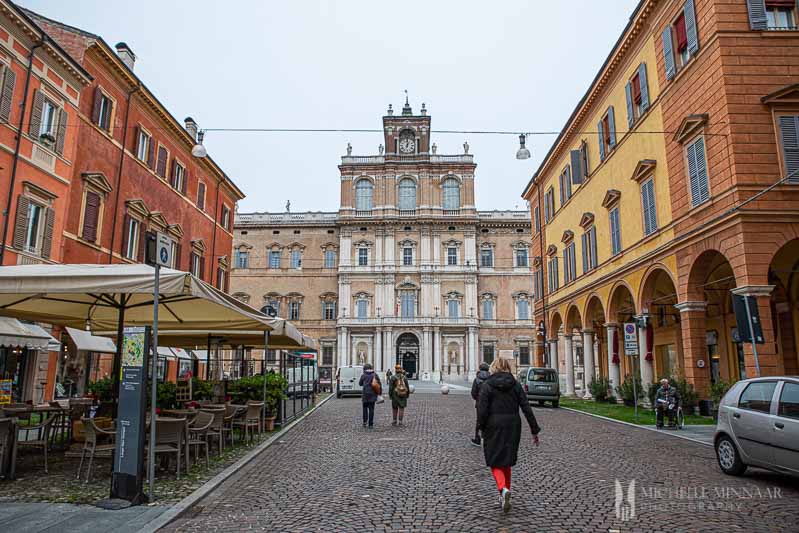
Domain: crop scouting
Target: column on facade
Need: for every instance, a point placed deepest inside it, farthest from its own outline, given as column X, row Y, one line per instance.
column 647, row 368
column 469, row 249
column 470, row 299
column 770, row 362
column 471, row 353
column 379, row 258
column 569, row 355
column 344, row 351
column 438, row 350
column 345, row 250
column 426, row 255
column 426, row 357
column 553, row 355
column 694, row 344
column 588, row 362
column 388, row 247
column 377, row 357
column 436, row 248
column 391, row 352
column 614, row 371
column 389, row 297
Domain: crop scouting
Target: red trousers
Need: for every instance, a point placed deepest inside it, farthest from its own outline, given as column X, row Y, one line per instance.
column 501, row 476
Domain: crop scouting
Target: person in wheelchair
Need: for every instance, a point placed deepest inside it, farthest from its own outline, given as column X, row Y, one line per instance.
column 667, row 400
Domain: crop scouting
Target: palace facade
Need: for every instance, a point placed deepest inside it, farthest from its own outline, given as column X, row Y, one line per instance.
column 408, row 271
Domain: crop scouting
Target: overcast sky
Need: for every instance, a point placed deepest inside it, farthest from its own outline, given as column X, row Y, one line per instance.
column 501, row 65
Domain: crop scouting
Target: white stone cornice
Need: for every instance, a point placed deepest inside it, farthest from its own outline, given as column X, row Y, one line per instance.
column 753, row 290
column 685, row 307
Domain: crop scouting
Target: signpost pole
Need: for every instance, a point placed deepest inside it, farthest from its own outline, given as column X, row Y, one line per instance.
column 752, row 335
column 635, row 392
column 153, row 388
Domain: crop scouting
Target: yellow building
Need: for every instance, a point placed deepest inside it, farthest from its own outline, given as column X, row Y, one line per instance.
column 640, row 211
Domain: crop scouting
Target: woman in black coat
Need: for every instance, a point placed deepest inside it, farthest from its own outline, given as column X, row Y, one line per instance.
column 369, row 395
column 501, row 396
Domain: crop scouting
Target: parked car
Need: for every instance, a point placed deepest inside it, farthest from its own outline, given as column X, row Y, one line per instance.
column 540, row 384
column 347, row 381
column 758, row 425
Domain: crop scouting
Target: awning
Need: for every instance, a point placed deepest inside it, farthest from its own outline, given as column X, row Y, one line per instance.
column 15, row 334
column 52, row 344
column 85, row 341
column 74, row 295
column 284, row 336
column 181, row 353
column 165, row 352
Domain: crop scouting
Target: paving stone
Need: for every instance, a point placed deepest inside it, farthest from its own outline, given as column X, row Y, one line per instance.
column 330, row 474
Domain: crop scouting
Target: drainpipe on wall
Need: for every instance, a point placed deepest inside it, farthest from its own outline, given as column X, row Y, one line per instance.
column 213, row 239
column 543, row 286
column 7, row 212
column 119, row 173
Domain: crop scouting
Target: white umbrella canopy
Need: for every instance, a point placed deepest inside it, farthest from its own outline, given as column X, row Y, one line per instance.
column 77, row 295
column 284, row 336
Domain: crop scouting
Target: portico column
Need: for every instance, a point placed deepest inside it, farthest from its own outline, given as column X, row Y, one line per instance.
column 569, row 354
column 437, row 352
column 694, row 343
column 554, row 361
column 343, row 349
column 391, row 355
column 472, row 354
column 377, row 357
column 427, row 357
column 647, row 369
column 588, row 362
column 614, row 372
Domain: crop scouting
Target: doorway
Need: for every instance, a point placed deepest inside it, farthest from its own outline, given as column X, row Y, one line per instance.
column 408, row 354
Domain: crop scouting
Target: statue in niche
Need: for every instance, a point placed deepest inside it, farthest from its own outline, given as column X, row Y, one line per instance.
column 361, row 357
column 466, row 147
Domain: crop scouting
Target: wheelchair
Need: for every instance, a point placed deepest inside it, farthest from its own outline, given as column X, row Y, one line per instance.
column 676, row 419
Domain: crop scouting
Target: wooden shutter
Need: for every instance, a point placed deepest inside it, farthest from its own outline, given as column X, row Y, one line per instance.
column 573, row 260
column 140, row 256
column 7, row 96
column 97, row 106
column 202, row 267
column 697, row 172
column 584, row 159
column 789, row 139
column 136, row 141
column 668, row 54
column 562, row 189
column 173, row 172
column 178, row 251
column 36, row 113
column 611, row 127
column 757, row 14
column 568, row 181
column 201, row 195
column 61, row 134
column 125, row 235
column 592, row 243
column 151, row 153
column 184, row 185
column 584, row 238
column 47, row 237
column 690, row 27
column 648, row 200
column 160, row 167
column 615, row 234
column 628, row 93
column 576, row 163
column 600, row 128
column 91, row 216
column 21, row 225
column 644, row 87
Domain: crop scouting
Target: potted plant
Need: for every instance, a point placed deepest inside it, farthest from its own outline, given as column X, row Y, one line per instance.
column 600, row 389
column 625, row 390
column 274, row 392
column 717, row 392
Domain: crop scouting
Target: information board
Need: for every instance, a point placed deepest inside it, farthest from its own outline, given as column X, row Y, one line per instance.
column 630, row 339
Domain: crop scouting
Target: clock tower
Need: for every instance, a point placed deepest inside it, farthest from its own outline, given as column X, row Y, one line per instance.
column 407, row 134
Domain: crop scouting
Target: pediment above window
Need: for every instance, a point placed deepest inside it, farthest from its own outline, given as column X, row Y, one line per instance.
column 567, row 237
column 328, row 296
column 97, row 180
column 644, row 168
column 363, row 244
column 586, row 220
column 552, row 249
column 520, row 245
column 158, row 221
column 275, row 246
column 689, row 126
column 137, row 207
column 451, row 243
column 407, row 283
column 329, row 246
column 223, row 262
column 407, row 243
column 454, row 295
column 297, row 246
column 242, row 246
column 176, row 231
column 787, row 95
column 198, row 246
column 612, row 197
column 488, row 296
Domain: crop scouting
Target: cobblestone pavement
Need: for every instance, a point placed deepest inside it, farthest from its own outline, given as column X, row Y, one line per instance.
column 329, row 474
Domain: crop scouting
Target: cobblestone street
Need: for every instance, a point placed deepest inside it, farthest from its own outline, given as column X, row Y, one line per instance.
column 329, row 474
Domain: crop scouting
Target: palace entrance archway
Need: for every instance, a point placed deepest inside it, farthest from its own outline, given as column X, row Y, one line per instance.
column 408, row 354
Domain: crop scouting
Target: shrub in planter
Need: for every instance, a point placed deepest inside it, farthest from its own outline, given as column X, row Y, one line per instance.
column 201, row 390
column 166, row 395
column 717, row 392
column 600, row 389
column 102, row 389
column 688, row 396
column 625, row 390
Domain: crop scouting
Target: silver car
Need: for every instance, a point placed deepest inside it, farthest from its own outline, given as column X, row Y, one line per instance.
column 540, row 384
column 759, row 426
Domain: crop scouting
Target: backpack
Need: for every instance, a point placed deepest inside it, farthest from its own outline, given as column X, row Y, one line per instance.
column 376, row 385
column 401, row 387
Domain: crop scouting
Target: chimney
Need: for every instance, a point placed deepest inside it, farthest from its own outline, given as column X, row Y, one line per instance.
column 191, row 127
column 126, row 55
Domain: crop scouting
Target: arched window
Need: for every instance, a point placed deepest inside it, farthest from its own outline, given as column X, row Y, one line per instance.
column 363, row 195
column 451, row 194
column 407, row 194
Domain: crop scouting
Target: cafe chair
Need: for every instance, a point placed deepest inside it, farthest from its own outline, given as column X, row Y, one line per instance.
column 93, row 445
column 43, row 443
column 250, row 423
column 169, row 436
column 198, row 434
column 5, row 437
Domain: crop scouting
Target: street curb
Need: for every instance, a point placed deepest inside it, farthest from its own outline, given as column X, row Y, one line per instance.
column 175, row 511
column 670, row 434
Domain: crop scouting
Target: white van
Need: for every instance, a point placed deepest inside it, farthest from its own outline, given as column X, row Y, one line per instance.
column 347, row 381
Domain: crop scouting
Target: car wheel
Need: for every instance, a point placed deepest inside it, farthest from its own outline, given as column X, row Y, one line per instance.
column 728, row 457
column 541, row 403
column 555, row 403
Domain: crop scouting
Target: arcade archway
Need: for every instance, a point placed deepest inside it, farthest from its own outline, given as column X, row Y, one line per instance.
column 408, row 354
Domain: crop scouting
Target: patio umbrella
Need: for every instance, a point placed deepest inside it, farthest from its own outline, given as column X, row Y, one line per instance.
column 283, row 336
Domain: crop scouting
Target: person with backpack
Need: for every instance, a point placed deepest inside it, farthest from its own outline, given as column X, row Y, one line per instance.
column 501, row 397
column 482, row 375
column 372, row 388
column 398, row 391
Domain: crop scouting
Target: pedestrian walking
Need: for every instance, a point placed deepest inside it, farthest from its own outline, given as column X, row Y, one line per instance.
column 500, row 398
column 388, row 375
column 372, row 388
column 398, row 391
column 482, row 375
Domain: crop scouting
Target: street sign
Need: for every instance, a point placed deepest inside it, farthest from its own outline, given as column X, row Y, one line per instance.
column 630, row 339
column 742, row 320
column 163, row 250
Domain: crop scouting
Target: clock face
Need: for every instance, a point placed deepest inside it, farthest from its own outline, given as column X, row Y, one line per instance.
column 407, row 146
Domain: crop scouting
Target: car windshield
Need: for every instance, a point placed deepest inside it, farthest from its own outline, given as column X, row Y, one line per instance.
column 546, row 376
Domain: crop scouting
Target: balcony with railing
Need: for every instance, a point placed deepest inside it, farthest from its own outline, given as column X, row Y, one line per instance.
column 467, row 159
column 450, row 212
column 363, row 212
column 407, row 212
column 253, row 219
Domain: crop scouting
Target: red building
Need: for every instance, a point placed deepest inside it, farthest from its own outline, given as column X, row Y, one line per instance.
column 134, row 171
